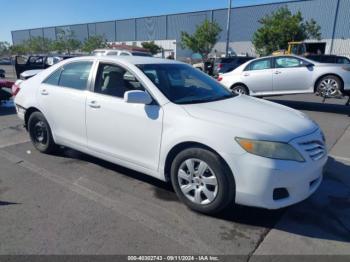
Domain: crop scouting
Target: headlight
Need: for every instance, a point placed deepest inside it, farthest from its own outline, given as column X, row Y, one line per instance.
column 276, row 150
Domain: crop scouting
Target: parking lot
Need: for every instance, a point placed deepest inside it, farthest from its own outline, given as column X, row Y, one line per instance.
column 72, row 203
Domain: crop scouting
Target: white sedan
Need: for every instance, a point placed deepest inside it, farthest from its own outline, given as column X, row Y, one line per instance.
column 280, row 75
column 168, row 120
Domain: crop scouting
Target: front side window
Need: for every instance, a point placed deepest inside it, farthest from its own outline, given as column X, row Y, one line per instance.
column 260, row 64
column 115, row 80
column 75, row 75
column 287, row 62
column 183, row 84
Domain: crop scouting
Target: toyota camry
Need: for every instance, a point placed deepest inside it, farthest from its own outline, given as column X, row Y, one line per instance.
column 168, row 120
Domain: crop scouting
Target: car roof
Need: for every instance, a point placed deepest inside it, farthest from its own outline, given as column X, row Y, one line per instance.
column 136, row 60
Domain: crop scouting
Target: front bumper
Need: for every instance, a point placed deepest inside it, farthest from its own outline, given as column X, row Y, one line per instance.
column 258, row 178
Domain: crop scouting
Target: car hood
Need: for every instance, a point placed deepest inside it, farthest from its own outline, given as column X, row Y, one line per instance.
column 256, row 118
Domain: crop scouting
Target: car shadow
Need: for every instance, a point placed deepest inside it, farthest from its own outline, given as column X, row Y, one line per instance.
column 315, row 106
column 316, row 217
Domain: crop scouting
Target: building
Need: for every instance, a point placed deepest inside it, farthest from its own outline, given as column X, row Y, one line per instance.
column 332, row 15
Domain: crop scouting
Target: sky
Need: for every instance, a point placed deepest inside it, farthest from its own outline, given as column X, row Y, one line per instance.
column 24, row 14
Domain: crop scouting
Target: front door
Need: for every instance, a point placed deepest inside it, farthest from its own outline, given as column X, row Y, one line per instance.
column 292, row 75
column 127, row 132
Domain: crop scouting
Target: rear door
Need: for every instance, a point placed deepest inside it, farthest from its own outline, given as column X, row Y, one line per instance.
column 257, row 76
column 291, row 75
column 62, row 97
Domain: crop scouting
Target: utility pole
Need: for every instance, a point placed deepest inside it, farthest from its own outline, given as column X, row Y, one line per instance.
column 228, row 26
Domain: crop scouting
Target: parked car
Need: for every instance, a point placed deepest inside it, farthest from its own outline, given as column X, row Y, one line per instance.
column 330, row 59
column 5, row 61
column 280, row 75
column 227, row 64
column 168, row 120
column 206, row 67
column 119, row 52
column 36, row 62
column 2, row 73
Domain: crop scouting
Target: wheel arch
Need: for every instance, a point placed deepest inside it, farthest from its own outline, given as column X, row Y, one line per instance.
column 29, row 111
column 329, row 74
column 176, row 149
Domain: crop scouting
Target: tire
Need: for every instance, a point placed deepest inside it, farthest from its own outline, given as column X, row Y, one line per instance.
column 40, row 133
column 329, row 86
column 202, row 194
column 240, row 90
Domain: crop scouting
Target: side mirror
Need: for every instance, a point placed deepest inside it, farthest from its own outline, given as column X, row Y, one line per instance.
column 137, row 97
column 309, row 65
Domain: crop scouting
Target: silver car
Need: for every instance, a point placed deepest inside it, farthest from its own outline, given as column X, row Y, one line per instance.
column 287, row 74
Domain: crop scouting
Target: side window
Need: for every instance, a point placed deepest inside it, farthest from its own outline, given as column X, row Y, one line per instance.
column 115, row 80
column 124, row 54
column 287, row 62
column 54, row 78
column 112, row 53
column 75, row 75
column 342, row 60
column 259, row 64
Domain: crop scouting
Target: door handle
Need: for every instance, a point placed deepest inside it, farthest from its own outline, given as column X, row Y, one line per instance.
column 44, row 92
column 94, row 104
column 246, row 74
column 277, row 72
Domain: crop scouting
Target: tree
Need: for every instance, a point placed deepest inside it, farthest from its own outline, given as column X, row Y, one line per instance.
column 92, row 43
column 19, row 49
column 282, row 27
column 4, row 48
column 151, row 47
column 66, row 42
column 203, row 39
column 38, row 45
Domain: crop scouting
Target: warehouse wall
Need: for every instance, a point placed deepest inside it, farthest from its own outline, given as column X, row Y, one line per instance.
column 332, row 15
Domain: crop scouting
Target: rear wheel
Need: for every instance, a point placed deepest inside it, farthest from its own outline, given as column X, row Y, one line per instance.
column 329, row 86
column 240, row 90
column 202, row 181
column 40, row 133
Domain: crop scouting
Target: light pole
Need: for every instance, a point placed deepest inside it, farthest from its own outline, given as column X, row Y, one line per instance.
column 228, row 26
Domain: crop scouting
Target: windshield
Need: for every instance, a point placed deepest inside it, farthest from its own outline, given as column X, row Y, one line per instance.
column 183, row 84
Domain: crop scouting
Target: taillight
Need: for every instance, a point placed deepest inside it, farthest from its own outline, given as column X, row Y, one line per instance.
column 15, row 89
column 219, row 66
column 219, row 78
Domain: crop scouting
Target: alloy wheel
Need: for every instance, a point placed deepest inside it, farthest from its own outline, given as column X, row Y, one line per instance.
column 329, row 87
column 197, row 181
column 239, row 90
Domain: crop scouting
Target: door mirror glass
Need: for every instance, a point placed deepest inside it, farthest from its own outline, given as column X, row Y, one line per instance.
column 137, row 97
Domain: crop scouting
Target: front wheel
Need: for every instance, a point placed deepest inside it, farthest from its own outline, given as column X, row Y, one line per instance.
column 40, row 133
column 202, row 181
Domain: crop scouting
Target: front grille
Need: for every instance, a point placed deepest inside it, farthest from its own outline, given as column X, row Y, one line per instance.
column 314, row 149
